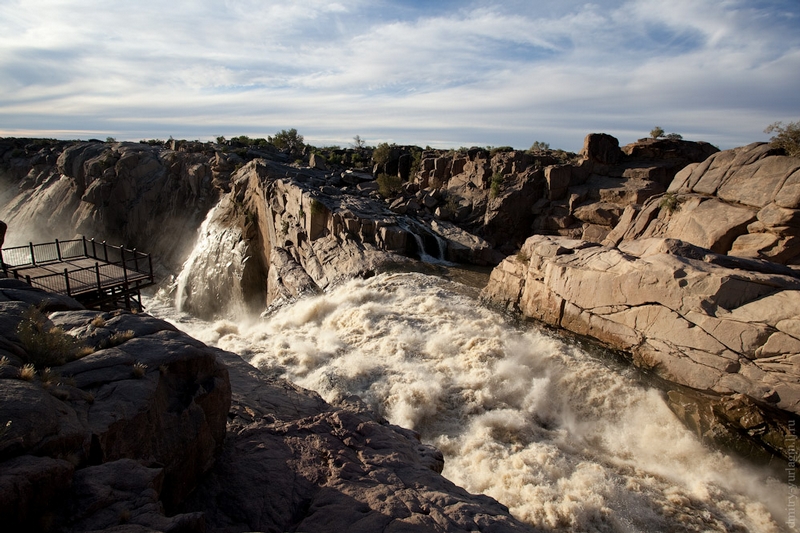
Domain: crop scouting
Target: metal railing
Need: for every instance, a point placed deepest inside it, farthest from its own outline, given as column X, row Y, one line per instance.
column 110, row 261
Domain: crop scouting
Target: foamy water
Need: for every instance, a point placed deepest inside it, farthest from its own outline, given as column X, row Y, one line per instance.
column 565, row 440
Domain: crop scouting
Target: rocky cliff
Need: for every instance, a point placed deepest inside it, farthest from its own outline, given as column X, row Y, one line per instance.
column 690, row 285
column 320, row 223
column 146, row 196
column 134, row 426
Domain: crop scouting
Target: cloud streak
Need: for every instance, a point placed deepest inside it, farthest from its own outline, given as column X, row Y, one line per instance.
column 481, row 73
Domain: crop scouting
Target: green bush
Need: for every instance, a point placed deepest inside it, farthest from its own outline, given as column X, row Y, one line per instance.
column 389, row 186
column 657, row 132
column 497, row 182
column 45, row 346
column 538, row 146
column 669, row 202
column 288, row 141
column 787, row 138
column 383, row 153
column 500, row 150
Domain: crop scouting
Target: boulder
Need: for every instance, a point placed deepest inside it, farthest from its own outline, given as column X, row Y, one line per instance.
column 317, row 161
column 601, row 148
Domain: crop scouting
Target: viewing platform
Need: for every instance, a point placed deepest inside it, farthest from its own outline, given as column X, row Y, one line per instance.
column 96, row 274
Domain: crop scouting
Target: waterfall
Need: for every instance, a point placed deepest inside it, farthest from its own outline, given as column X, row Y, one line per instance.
column 568, row 441
column 210, row 281
column 419, row 233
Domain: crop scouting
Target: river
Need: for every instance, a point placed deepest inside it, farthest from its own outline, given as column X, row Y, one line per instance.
column 566, row 439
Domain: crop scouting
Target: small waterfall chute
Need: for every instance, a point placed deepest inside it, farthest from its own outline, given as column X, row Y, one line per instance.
column 210, row 282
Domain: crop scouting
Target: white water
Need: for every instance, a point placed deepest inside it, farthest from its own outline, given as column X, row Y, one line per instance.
column 561, row 438
column 219, row 255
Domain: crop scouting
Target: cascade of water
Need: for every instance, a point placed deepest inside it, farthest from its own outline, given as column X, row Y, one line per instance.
column 210, row 281
column 441, row 245
column 565, row 441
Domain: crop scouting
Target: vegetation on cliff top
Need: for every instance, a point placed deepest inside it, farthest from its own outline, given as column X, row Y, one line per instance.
column 787, row 137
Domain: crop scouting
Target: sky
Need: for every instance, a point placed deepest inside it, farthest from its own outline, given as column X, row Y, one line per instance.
column 445, row 74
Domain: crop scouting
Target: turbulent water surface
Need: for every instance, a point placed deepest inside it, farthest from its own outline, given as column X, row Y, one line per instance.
column 564, row 439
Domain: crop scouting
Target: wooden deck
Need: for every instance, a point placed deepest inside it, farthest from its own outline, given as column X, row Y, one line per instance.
column 96, row 274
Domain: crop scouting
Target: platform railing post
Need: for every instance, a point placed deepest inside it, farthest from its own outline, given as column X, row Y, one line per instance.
column 58, row 250
column 33, row 256
column 28, row 280
column 125, row 290
column 85, row 249
column 122, row 256
column 135, row 260
column 66, row 282
column 97, row 276
column 94, row 249
column 105, row 251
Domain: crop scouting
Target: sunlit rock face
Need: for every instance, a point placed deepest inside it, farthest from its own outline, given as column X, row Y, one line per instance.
column 743, row 202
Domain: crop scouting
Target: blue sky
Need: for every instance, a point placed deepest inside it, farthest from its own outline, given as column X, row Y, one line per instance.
column 443, row 73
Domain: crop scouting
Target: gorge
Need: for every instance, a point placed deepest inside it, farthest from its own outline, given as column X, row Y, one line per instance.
column 313, row 276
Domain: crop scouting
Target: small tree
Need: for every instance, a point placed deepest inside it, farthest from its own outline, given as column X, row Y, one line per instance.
column 382, row 153
column 788, row 137
column 674, row 136
column 358, row 142
column 539, row 146
column 288, row 141
column 657, row 132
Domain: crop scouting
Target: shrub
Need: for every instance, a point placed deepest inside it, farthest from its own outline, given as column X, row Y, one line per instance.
column 674, row 136
column 389, row 186
column 27, row 372
column 382, row 153
column 500, row 150
column 497, row 182
column 669, row 202
column 787, row 138
column 45, row 346
column 116, row 339
column 657, row 132
column 288, row 141
column 139, row 369
column 538, row 146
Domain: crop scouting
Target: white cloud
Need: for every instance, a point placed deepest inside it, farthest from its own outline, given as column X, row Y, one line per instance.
column 516, row 71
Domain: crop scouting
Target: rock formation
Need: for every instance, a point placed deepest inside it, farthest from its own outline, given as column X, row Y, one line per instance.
column 663, row 290
column 505, row 196
column 741, row 202
column 154, row 431
column 111, row 437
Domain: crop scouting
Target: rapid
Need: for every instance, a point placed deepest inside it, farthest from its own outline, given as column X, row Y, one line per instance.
column 566, row 439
